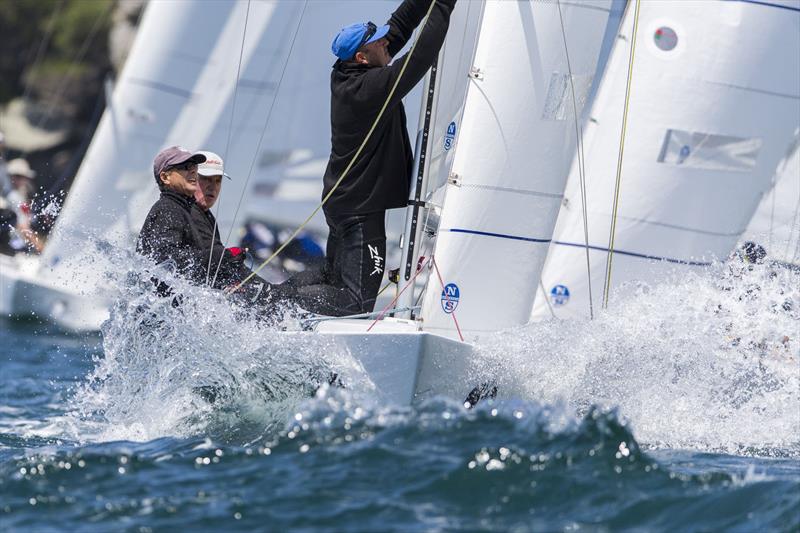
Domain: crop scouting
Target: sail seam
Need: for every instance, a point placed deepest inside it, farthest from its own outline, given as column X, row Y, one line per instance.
column 636, row 254
column 683, row 228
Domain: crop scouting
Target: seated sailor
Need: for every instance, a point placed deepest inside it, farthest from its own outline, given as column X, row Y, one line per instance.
column 169, row 231
column 231, row 271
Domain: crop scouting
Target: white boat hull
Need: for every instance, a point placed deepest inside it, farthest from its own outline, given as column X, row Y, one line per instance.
column 24, row 294
column 404, row 364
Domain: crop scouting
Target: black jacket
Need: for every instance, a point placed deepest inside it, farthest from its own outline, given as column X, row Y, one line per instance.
column 379, row 179
column 170, row 233
column 231, row 271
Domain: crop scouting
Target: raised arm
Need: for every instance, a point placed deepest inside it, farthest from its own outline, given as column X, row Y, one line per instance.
column 429, row 43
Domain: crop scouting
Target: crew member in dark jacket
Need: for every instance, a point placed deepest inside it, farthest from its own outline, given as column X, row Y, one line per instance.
column 379, row 179
column 169, row 232
column 232, row 271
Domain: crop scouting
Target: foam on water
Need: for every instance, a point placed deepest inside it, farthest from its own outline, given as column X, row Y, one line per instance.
column 162, row 361
column 708, row 361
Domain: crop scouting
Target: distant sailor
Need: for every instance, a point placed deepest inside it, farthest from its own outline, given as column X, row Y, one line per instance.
column 361, row 81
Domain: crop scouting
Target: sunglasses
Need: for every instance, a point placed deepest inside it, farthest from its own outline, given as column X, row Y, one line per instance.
column 188, row 165
column 371, row 29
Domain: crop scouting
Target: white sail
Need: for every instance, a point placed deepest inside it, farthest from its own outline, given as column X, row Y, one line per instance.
column 115, row 186
column 517, row 141
column 444, row 94
column 776, row 223
column 713, row 104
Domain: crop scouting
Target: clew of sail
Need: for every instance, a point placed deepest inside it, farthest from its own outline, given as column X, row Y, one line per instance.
column 513, row 154
column 713, row 105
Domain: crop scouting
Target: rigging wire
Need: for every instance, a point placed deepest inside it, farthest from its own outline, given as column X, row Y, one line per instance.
column 258, row 148
column 615, row 208
column 230, row 128
column 581, row 167
column 349, row 166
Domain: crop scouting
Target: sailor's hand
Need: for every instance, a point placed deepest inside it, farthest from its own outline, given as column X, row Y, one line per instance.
column 236, row 254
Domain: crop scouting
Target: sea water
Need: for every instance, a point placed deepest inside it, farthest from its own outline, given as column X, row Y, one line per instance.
column 677, row 409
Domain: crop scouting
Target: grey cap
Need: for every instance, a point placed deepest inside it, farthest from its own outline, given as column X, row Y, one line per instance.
column 174, row 155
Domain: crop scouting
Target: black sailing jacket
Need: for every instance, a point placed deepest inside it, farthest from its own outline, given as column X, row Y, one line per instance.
column 379, row 179
column 170, row 233
column 231, row 271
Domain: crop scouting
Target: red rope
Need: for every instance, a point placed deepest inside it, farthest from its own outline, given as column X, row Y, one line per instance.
column 397, row 297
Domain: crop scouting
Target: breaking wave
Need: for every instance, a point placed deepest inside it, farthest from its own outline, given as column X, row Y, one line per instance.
column 708, row 361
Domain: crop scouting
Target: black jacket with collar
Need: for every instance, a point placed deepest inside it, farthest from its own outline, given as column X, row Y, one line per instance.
column 170, row 233
column 380, row 177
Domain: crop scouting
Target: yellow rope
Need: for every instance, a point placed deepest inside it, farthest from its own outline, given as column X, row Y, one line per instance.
column 349, row 166
column 612, row 235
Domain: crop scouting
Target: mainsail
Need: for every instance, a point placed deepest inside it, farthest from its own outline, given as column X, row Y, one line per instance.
column 531, row 75
column 713, row 104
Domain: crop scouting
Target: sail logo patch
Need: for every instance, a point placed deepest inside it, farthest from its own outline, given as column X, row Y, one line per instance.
column 450, row 137
column 559, row 295
column 665, row 38
column 450, row 297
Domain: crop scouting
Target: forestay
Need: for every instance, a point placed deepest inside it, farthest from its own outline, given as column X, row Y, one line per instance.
column 776, row 223
column 513, row 154
column 713, row 105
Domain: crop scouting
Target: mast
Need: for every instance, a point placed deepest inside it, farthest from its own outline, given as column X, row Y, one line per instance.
column 416, row 204
column 441, row 110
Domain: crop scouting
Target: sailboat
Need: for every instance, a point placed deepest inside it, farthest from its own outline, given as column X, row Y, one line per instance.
column 776, row 223
column 712, row 111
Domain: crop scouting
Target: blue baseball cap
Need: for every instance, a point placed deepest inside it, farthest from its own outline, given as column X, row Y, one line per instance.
column 350, row 39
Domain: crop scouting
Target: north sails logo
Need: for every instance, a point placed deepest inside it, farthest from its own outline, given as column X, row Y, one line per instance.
column 377, row 260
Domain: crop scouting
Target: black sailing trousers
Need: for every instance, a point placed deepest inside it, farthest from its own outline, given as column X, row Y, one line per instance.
column 355, row 260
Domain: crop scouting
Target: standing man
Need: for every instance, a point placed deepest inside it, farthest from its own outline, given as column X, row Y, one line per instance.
column 361, row 81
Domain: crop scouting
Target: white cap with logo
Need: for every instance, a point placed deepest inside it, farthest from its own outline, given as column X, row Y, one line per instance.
column 213, row 165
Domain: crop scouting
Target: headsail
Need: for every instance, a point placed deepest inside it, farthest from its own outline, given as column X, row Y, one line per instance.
column 511, row 163
column 713, row 104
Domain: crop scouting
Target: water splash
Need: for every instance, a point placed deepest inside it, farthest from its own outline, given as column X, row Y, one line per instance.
column 197, row 363
column 708, row 361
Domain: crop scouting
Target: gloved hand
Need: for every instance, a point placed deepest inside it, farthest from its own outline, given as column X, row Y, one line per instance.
column 236, row 254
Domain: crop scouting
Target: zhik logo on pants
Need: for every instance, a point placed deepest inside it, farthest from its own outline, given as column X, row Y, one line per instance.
column 377, row 260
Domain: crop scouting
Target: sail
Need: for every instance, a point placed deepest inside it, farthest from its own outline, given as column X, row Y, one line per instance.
column 442, row 106
column 114, row 186
column 713, row 104
column 776, row 223
column 281, row 135
column 517, row 139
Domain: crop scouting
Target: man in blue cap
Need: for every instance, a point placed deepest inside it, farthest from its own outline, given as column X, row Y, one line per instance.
column 361, row 81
